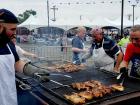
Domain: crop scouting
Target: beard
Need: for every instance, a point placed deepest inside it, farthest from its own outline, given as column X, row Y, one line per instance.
column 4, row 39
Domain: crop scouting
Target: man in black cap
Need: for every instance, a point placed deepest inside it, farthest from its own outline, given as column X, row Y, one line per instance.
column 9, row 59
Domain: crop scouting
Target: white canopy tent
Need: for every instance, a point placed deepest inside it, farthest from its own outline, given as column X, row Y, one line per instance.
column 70, row 23
column 137, row 21
column 100, row 21
column 33, row 22
column 62, row 23
column 81, row 22
column 117, row 21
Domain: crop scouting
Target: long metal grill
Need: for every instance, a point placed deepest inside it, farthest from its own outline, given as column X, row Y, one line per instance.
column 58, row 91
column 105, row 77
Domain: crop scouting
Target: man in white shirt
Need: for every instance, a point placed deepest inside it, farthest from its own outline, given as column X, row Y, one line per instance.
column 21, row 52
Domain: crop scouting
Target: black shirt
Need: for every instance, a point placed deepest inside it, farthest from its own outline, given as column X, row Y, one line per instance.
column 5, row 51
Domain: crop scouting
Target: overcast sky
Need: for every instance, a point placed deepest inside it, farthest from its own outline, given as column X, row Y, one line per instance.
column 72, row 8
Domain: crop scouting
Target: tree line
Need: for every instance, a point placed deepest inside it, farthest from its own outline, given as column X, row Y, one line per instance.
column 25, row 15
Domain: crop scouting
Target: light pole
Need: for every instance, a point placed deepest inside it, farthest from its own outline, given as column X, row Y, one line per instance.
column 48, row 14
column 122, row 9
column 54, row 10
column 133, row 4
column 133, row 13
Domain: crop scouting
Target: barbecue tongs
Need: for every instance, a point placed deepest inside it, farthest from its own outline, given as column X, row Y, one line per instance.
column 44, row 78
column 123, row 74
column 49, row 73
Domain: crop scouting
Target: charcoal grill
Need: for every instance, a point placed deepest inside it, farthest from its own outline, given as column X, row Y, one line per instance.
column 56, row 92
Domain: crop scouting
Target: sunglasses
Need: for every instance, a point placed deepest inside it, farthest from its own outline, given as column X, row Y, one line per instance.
column 136, row 39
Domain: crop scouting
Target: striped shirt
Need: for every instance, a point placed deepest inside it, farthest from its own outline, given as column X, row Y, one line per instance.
column 109, row 46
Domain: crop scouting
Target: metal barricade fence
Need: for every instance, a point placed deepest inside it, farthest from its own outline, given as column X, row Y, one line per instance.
column 50, row 52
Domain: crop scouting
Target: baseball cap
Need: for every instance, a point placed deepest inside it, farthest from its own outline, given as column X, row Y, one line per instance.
column 7, row 16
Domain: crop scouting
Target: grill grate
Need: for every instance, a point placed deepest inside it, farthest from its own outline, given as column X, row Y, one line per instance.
column 105, row 77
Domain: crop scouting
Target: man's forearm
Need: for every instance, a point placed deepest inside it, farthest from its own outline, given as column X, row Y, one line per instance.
column 19, row 65
column 124, row 64
column 29, row 54
column 74, row 49
column 29, row 69
column 86, row 56
column 119, row 60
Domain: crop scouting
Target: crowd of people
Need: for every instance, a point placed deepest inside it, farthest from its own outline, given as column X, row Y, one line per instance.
column 106, row 54
column 109, row 55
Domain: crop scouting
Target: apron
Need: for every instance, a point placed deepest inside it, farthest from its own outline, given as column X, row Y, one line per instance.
column 135, row 69
column 102, row 60
column 8, row 94
column 82, row 53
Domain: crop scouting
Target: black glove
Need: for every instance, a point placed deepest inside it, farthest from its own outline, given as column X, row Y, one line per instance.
column 31, row 70
column 41, row 78
column 124, row 71
column 122, row 75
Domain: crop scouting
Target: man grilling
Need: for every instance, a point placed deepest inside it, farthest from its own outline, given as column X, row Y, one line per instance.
column 104, row 51
column 132, row 54
column 9, row 59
